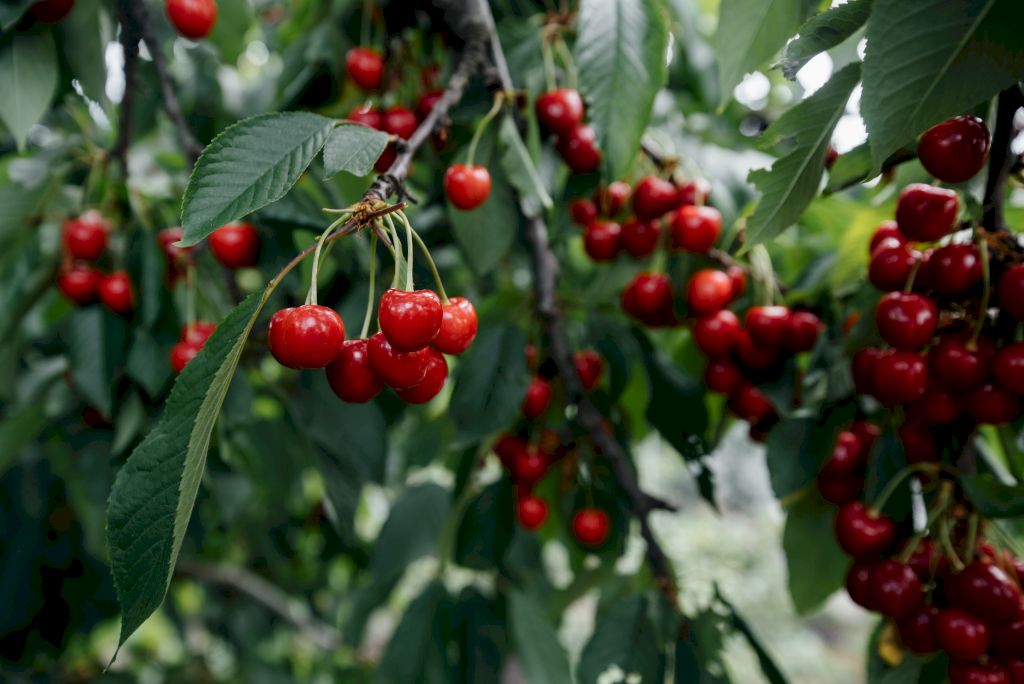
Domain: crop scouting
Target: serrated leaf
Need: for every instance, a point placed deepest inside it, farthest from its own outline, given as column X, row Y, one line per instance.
column 817, row 566
column 536, row 641
column 249, row 165
column 952, row 55
column 28, row 81
column 792, row 182
column 620, row 56
column 521, row 170
column 353, row 148
column 822, row 32
column 751, row 32
column 624, row 637
column 403, row 660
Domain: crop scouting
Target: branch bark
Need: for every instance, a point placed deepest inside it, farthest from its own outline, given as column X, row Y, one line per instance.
column 1001, row 159
column 129, row 40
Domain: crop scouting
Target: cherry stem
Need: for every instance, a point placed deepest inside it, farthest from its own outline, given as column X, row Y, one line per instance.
column 986, row 292
column 373, row 287
column 764, row 276
column 396, row 252
column 311, row 295
column 940, row 507
column 549, row 64
column 896, row 481
column 433, row 267
column 567, row 61
column 364, row 24
column 499, row 99
column 972, row 536
column 947, row 545
column 408, row 251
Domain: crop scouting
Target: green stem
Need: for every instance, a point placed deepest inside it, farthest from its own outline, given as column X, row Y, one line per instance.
column 373, row 287
column 433, row 266
column 446, row 544
column 909, row 285
column 947, row 545
column 986, row 292
column 190, row 294
column 409, row 287
column 396, row 252
column 570, row 65
column 972, row 537
column 896, row 481
column 549, row 64
column 940, row 506
column 764, row 275
column 311, row 295
column 478, row 133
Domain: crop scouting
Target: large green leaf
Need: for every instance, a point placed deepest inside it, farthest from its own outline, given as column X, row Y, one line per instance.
column 152, row 498
column 486, row 528
column 822, row 32
column 620, row 55
column 84, row 36
column 353, row 148
column 625, row 637
column 771, row 670
column 993, row 498
column 749, row 33
column 536, row 641
column 521, row 169
column 928, row 60
column 28, row 80
column 797, row 447
column 792, row 182
column 250, row 165
column 403, row 660
column 817, row 566
column 95, row 345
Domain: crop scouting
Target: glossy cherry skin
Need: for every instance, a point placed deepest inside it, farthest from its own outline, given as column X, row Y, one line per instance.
column 915, row 630
column 433, row 380
column 860, row 584
column 276, row 337
column 399, row 121
column 890, row 265
column 367, row 115
column 897, row 590
column 750, row 404
column 906, row 320
column 993, row 405
column 709, row 290
column 955, row 150
column 976, row 673
column 559, row 111
column 602, row 240
column 696, row 229
column 85, row 237
column 350, row 374
column 529, row 466
column 589, row 367
column 653, row 197
column 722, row 376
column 717, row 334
column 117, row 293
column 181, row 354
column 918, row 444
column 177, row 257
column 696, row 191
column 984, row 590
column 537, row 399
column 236, row 245
column 640, row 238
column 197, row 333
column 926, row 213
column 1011, row 291
column 80, row 284
column 507, row 448
column 307, row 336
column 954, row 269
column 590, row 526
column 899, row 377
column 1008, row 638
column 960, row 634
column 958, row 364
column 612, row 199
column 578, row 149
column 768, row 325
column 398, row 370
column 193, row 19
column 886, row 229
column 365, row 67
column 51, row 11
column 648, row 297
column 862, row 534
column 847, row 458
column 754, row 355
column 1008, row 367
column 738, row 278
column 937, row 407
column 532, row 512
column 840, row 490
column 802, row 332
column 866, row 432
column 582, row 211
column 386, row 159
column 929, row 561
column 410, row 320
column 458, row 326
column 467, row 187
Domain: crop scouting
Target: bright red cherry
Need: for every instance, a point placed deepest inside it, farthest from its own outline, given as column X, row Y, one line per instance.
column 899, row 377
column 529, row 467
column 738, row 278
column 117, row 293
column 717, row 334
column 768, row 325
column 467, row 187
column 578, row 149
column 591, row 526
column 399, row 121
column 589, row 367
column 897, row 589
column 886, row 229
column 915, row 630
column 531, row 511
column 958, row 364
column 695, row 229
column 1008, row 638
column 611, row 200
column 653, row 197
column 582, row 211
column 960, row 634
column 426, row 102
column 365, row 67
column 193, row 19
column 722, row 376
column 847, row 458
column 840, row 490
column 1011, row 291
column 750, row 404
column 433, row 381
column 860, row 584
column 754, row 355
column 307, row 336
column 276, row 337
column 51, row 11
column 992, row 404
column 410, row 320
column 905, row 320
column 367, row 115
column 537, row 399
column 1008, row 367
column 398, row 370
column 862, row 533
column 955, row 150
column 926, row 213
column 181, row 354
column 602, row 240
column 350, row 374
column 891, row 264
column 559, row 111
column 709, row 290
column 85, row 237
column 197, row 333
column 984, row 590
column 458, row 326
column 976, row 673
column 236, row 245
column 640, row 238
column 802, row 332
column 696, row 191
column 954, row 269
column 80, row 284
column 648, row 297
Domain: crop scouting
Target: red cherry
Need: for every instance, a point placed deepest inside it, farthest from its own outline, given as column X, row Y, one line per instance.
column 236, row 245
column 433, row 380
column 559, row 111
column 905, row 320
column 891, row 264
column 181, row 354
column 1008, row 638
column 958, row 364
column 612, row 199
column 529, row 467
column 458, row 326
column 848, row 456
column 926, row 213
column 197, row 333
column 177, row 257
column 1008, row 367
column 365, row 67
column 955, row 150
column 531, row 512
column 276, row 337
column 653, row 197
column 386, row 159
column 582, row 211
column 367, row 115
column 117, row 293
column 802, row 332
column 307, row 336
column 591, row 526
column 709, row 290
column 768, row 325
column 193, row 19
column 954, row 269
column 695, row 229
column 928, row 561
column 1011, row 291
column 537, row 399
column 984, row 590
column 51, row 11
column 915, row 630
column 863, row 534
column 738, row 278
column 80, row 284
column 886, row 229
column 717, row 334
column 992, row 404
column 840, row 490
column 748, row 403
column 963, row 636
column 467, row 187
column 426, row 102
column 602, row 240
column 398, row 370
column 753, row 354
column 897, row 590
column 862, row 367
column 640, row 238
column 976, row 673
column 860, row 584
column 578, row 149
column 722, row 376
column 918, row 444
column 899, row 377
column 589, row 367
column 507, row 449
column 350, row 374
column 410, row 320
column 648, row 297
column 85, row 237
column 937, row 407
column 697, row 191
column 1015, row 668
column 399, row 121
column 866, row 432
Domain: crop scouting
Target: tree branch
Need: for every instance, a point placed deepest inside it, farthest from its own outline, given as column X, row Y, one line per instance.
column 129, row 40
column 1001, row 159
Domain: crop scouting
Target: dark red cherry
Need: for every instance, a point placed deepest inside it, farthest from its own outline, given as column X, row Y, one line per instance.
column 897, row 590
column 984, row 590
column 960, row 364
column 840, row 490
column 862, row 533
column 847, row 458
column 559, row 111
column 890, row 265
column 899, row 377
column 860, row 584
column 1008, row 367
column 458, row 326
column 953, row 269
column 993, row 405
column 648, row 297
column 582, row 211
column 937, row 407
column 426, row 102
column 866, row 432
column 695, row 229
column 85, row 237
column 929, row 561
column 507, row 449
column 653, row 197
column 589, row 367
column 1008, row 638
column 977, row 673
column 1011, row 291
column 398, row 370
column 926, row 213
column 51, row 11
column 236, row 245
column 603, row 240
column 467, row 187
column 708, row 291
column 918, row 444
column 537, row 399
column 307, row 336
column 768, row 325
column 722, row 376
column 350, row 374
column 531, row 512
column 80, row 284
column 955, row 150
column 961, row 635
column 365, row 67
column 410, row 320
column 886, row 229
column 193, row 19
column 433, row 381
column 117, row 293
column 578, row 149
column 529, row 467
column 862, row 367
column 197, row 333
column 399, row 121
column 802, row 332
column 915, row 630
column 717, row 334
column 906, row 320
column 591, row 526
column 611, row 200
column 181, row 354
column 640, row 238
column 367, row 115
column 754, row 355
column 386, row 159
column 750, row 404
column 738, row 277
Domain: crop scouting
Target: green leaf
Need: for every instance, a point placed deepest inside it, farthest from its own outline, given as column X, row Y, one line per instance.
column 17, row 429
column 248, row 166
column 771, row 671
column 84, row 36
column 353, row 148
column 951, row 56
column 490, row 382
column 411, row 530
column 817, row 566
column 749, row 33
column 403, row 660
column 147, row 363
column 797, row 447
column 487, row 527
column 95, row 346
column 699, row 653
column 993, row 498
column 823, row 32
column 521, row 170
column 792, row 182
column 850, row 168
column 620, row 55
column 624, row 637
column 11, row 11
column 152, row 498
column 28, row 81
column 536, row 641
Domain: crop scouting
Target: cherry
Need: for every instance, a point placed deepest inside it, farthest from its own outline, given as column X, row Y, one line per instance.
column 738, row 278
column 350, row 374
column 80, row 284
column 640, row 238
column 537, row 399
column 862, row 368
column 197, row 333
column 722, row 376
column 398, row 370
column 937, row 407
column 579, row 150
column 886, row 229
column 860, row 584
column 400, row 121
column 507, row 449
column 433, row 380
column 529, row 467
column 559, row 111
column 531, row 512
column 589, row 367
column 648, row 297
column 899, row 377
column 367, row 115
column 591, row 526
column 1008, row 638
column 458, row 326
column 194, row 19
column 85, row 237
column 918, row 444
column 365, row 66
column 410, row 320
column 51, row 11
column 959, row 364
column 928, row 561
column 992, row 404
column 963, row 636
column 386, row 159
column 582, row 211
column 236, row 245
column 985, row 591
column 177, row 257
column 717, row 334
column 863, row 533
column 181, row 354
column 117, row 293
column 709, row 290
column 696, row 191
column 748, row 403
column 1015, row 668
column 954, row 150
column 866, row 432
column 768, row 325
column 890, row 265
column 802, row 332
column 915, row 630
column 695, row 229
column 1008, row 367
column 840, row 490
column 1011, row 291
column 426, row 102
column 754, row 355
column 905, row 320
column 307, row 336
column 467, row 187
column 897, row 590
column 653, row 197
column 276, row 337
column 926, row 213
column 976, row 673
column 602, row 240
column 954, row 269
column 611, row 200
column 848, row 456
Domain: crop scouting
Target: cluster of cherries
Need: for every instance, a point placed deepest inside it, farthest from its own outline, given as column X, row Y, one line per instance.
column 85, row 241
column 560, row 114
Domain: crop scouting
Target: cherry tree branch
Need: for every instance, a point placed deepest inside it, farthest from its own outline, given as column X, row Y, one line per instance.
column 1001, row 159
column 129, row 40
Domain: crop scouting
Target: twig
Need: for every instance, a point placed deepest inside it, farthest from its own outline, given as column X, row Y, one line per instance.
column 129, row 40
column 1001, row 159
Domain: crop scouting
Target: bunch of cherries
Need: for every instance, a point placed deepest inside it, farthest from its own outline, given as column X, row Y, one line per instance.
column 84, row 239
column 560, row 114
